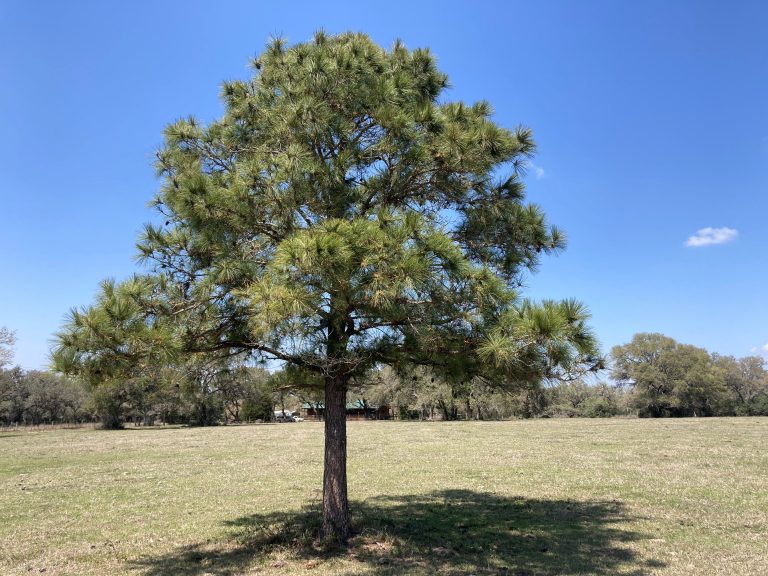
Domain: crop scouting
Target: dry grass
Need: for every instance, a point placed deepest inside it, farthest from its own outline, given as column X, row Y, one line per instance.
column 540, row 497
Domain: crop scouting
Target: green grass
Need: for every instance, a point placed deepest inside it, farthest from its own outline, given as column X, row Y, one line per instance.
column 539, row 497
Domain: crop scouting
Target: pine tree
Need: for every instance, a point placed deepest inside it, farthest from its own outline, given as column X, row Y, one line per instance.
column 340, row 216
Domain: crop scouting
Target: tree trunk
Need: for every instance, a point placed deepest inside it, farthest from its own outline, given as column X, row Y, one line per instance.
column 336, row 523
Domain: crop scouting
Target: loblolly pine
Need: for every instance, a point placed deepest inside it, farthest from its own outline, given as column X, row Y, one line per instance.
column 340, row 216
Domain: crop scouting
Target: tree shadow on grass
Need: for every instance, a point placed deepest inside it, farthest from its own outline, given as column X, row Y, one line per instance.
column 448, row 532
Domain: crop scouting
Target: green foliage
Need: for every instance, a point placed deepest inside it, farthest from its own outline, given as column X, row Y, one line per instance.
column 108, row 402
column 258, row 397
column 420, row 394
column 746, row 380
column 13, row 395
column 257, row 408
column 672, row 379
column 577, row 399
column 117, row 337
column 339, row 215
column 34, row 397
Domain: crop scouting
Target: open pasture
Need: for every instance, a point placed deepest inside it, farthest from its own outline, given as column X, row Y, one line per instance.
column 539, row 497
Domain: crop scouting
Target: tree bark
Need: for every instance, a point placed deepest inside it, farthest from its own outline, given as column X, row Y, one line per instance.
column 336, row 523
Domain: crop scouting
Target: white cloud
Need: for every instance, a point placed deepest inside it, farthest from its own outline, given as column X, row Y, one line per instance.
column 538, row 171
column 711, row 236
column 760, row 350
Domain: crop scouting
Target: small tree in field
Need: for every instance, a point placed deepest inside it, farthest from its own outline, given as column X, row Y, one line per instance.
column 340, row 216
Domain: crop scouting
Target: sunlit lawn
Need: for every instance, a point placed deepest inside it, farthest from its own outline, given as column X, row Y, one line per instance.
column 539, row 497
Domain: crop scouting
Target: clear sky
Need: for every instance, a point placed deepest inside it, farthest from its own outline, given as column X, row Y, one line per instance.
column 651, row 119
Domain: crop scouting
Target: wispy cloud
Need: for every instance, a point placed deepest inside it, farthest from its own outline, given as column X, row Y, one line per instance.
column 711, row 236
column 537, row 170
column 760, row 350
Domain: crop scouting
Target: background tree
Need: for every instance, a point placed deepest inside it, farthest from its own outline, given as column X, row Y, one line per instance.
column 52, row 399
column 418, row 393
column 568, row 399
column 670, row 379
column 35, row 397
column 578, row 399
column 339, row 216
column 258, row 396
column 641, row 364
column 747, row 381
column 247, row 394
column 13, row 396
column 7, row 340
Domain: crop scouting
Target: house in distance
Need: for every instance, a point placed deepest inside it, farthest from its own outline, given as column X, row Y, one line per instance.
column 357, row 410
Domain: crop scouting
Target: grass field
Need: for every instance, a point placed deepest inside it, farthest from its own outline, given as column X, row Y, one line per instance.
column 539, row 497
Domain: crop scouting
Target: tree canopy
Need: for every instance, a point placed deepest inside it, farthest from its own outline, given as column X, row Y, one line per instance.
column 7, row 340
column 673, row 379
column 340, row 215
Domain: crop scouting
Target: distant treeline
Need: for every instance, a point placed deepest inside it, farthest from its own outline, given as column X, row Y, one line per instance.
column 248, row 395
column 420, row 395
column 34, row 397
column 654, row 376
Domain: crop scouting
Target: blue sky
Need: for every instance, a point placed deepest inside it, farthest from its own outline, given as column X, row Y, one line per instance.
column 651, row 120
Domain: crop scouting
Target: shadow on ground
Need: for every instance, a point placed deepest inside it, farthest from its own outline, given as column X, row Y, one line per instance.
column 447, row 532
